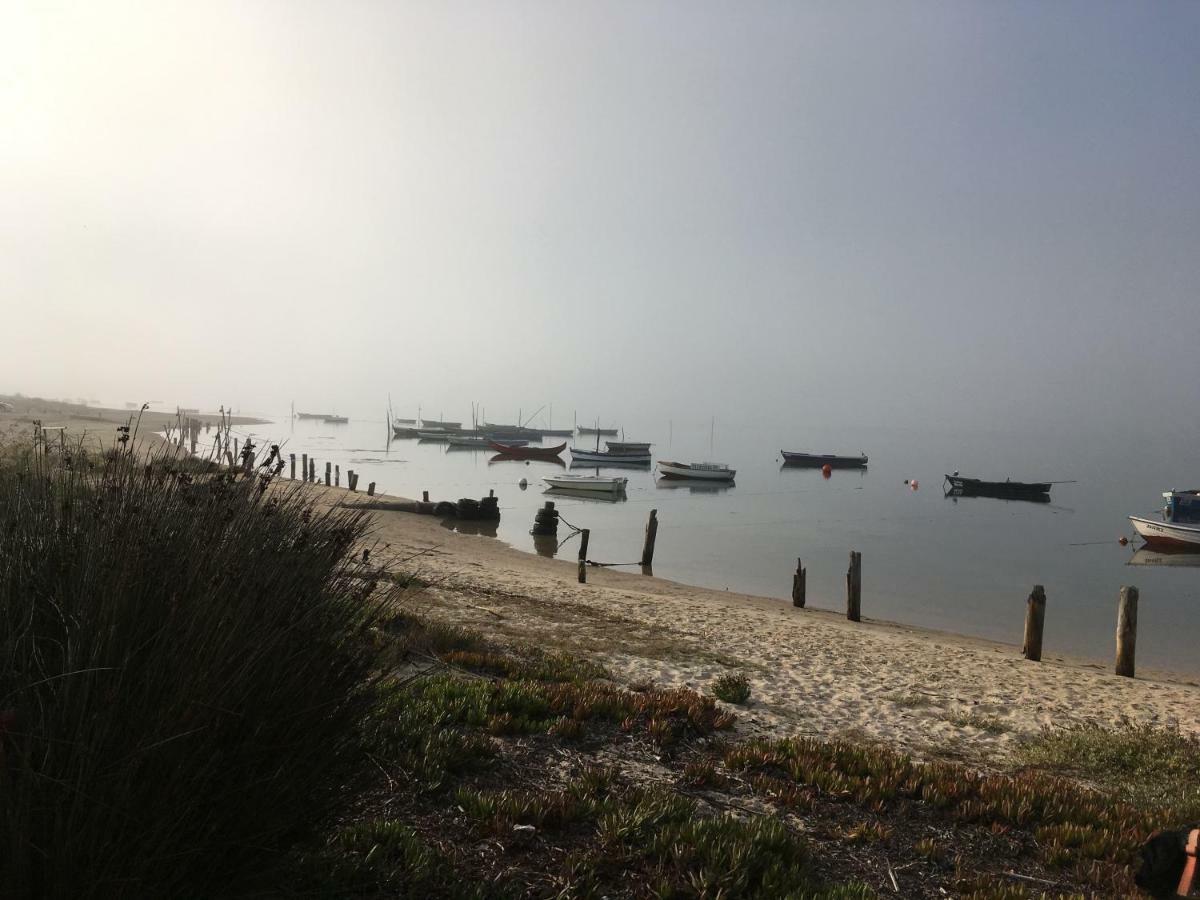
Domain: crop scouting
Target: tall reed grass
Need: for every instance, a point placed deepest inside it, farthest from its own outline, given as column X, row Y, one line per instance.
column 182, row 665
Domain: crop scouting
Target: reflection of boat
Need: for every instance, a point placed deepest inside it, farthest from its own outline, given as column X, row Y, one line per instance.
column 1179, row 525
column 957, row 493
column 442, row 436
column 601, row 456
column 615, row 462
column 527, row 452
column 695, row 486
column 576, row 494
column 336, row 420
column 704, row 471
column 1005, row 490
column 1146, row 556
column 509, row 457
column 819, row 460
column 602, row 483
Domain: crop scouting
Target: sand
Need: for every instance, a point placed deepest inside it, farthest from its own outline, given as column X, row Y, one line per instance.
column 812, row 672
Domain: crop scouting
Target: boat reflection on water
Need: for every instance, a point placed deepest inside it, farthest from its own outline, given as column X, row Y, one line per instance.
column 695, row 487
column 504, row 457
column 609, row 464
column 576, row 494
column 956, row 493
column 482, row 527
column 1156, row 556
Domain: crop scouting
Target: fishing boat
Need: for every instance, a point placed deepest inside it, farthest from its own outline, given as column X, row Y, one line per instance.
column 481, row 442
column 588, row 429
column 1179, row 525
column 609, row 485
column 1004, row 490
column 442, row 436
column 336, row 420
column 404, row 421
column 527, row 452
column 312, row 416
column 609, row 458
column 820, row 460
column 628, row 447
column 404, row 431
column 704, row 471
column 557, row 432
column 435, row 425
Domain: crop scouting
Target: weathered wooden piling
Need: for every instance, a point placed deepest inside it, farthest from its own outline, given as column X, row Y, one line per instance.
column 371, row 489
column 351, row 479
column 854, row 587
column 1126, row 630
column 328, row 474
column 337, row 476
column 799, row 585
column 292, row 466
column 236, row 454
column 651, row 534
column 303, row 467
column 583, row 544
column 1035, row 618
column 424, row 496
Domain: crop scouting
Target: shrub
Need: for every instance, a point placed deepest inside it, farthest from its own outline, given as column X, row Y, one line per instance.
column 182, row 665
column 732, row 687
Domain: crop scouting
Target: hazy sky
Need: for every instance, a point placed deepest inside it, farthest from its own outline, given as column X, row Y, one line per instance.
column 868, row 211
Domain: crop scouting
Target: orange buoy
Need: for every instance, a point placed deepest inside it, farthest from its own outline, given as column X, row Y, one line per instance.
column 1123, row 541
column 827, row 470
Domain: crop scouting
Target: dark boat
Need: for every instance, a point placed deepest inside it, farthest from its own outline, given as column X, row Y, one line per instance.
column 1038, row 491
column 527, row 452
column 820, row 460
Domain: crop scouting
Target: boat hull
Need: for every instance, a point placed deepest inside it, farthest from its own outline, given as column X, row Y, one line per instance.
column 612, row 432
column 1004, row 490
column 592, row 456
column 586, row 483
column 1166, row 534
column 684, row 470
column 528, row 452
column 820, row 460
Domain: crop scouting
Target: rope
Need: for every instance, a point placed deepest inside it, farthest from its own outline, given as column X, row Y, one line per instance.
column 592, row 562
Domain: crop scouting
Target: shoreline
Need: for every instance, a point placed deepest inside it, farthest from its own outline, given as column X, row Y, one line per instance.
column 812, row 672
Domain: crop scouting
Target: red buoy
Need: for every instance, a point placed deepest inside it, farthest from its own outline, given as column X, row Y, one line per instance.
column 827, row 470
column 1123, row 541
column 913, row 484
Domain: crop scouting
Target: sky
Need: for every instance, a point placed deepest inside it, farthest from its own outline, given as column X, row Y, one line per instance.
column 905, row 213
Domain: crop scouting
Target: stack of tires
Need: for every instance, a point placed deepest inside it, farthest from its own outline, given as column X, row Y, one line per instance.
column 489, row 508
column 545, row 522
column 468, row 508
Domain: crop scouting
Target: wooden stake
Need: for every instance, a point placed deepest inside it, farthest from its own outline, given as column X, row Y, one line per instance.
column 424, row 496
column 292, row 466
column 651, row 534
column 583, row 544
column 304, row 467
column 1035, row 618
column 1126, row 630
column 799, row 585
column 371, row 489
column 854, row 587
column 337, row 476
column 328, row 474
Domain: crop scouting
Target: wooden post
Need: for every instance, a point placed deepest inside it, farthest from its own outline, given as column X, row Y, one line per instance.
column 371, row 489
column 337, row 476
column 583, row 542
column 1035, row 618
column 236, row 455
column 854, row 587
column 328, row 474
column 799, row 585
column 304, row 467
column 424, row 496
column 352, row 479
column 292, row 466
column 651, row 534
column 1126, row 630
column 312, row 470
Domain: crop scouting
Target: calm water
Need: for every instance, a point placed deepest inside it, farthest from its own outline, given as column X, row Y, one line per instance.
column 962, row 565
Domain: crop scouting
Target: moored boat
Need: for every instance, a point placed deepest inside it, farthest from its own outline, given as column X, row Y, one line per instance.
column 303, row 415
column 600, row 483
column 704, row 471
column 481, row 442
column 435, row 425
column 634, row 447
column 513, row 452
column 336, row 420
column 1005, row 490
column 1179, row 525
column 820, row 460
column 587, row 429
column 442, row 436
column 601, row 456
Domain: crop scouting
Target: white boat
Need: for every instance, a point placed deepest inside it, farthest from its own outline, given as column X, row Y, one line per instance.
column 1179, row 525
column 602, row 483
column 705, row 471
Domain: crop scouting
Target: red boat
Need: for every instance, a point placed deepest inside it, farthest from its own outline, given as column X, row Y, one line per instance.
column 527, row 452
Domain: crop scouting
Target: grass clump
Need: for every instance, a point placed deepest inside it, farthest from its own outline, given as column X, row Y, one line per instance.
column 181, row 671
column 732, row 687
column 1142, row 764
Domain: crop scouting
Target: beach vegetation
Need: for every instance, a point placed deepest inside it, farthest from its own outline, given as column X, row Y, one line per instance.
column 732, row 687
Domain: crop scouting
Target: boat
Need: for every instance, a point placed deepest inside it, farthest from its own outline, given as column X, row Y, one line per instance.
column 442, row 436
column 312, row 416
column 609, row 458
column 820, row 460
column 557, row 432
column 587, row 429
column 588, row 496
column 404, row 421
column 605, row 484
column 956, row 493
column 628, row 447
column 1004, row 490
column 704, row 471
column 482, row 442
column 435, row 425
column 1179, row 525
column 527, row 452
column 404, row 431
column 336, row 420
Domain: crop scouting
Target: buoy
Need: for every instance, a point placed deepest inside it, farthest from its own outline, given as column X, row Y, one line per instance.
column 1123, row 541
column 913, row 484
column 522, row 484
column 827, row 470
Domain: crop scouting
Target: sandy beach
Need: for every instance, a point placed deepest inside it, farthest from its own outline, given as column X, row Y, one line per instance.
column 812, row 671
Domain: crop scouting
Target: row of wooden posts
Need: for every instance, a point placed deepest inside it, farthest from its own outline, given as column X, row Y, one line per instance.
column 333, row 474
column 1035, row 611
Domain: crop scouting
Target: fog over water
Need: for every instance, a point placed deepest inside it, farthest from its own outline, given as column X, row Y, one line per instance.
column 923, row 225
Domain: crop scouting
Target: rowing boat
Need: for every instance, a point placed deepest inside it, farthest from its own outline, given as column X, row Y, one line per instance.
column 820, row 460
column 1005, row 490
column 587, row 429
column 600, row 456
column 704, row 471
column 605, row 484
column 513, row 452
